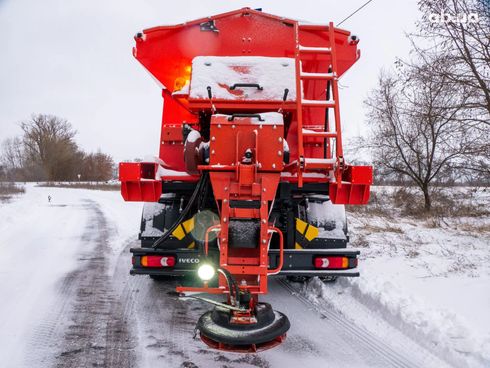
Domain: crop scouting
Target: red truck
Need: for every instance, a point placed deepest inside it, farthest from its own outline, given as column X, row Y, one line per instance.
column 250, row 180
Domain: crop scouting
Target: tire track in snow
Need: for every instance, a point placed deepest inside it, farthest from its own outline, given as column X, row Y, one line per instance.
column 362, row 336
column 165, row 326
column 397, row 358
column 46, row 336
column 88, row 328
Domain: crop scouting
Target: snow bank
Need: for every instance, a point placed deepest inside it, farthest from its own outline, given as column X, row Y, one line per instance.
column 220, row 73
column 431, row 282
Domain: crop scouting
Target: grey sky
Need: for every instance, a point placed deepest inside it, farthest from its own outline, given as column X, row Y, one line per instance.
column 73, row 59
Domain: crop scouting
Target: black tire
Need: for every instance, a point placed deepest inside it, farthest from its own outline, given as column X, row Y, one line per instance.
column 301, row 279
column 328, row 279
column 162, row 278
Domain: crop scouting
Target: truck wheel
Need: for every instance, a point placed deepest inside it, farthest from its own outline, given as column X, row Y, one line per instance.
column 328, row 279
column 161, row 277
column 298, row 278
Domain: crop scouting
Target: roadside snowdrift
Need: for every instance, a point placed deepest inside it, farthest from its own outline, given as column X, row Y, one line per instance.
column 429, row 277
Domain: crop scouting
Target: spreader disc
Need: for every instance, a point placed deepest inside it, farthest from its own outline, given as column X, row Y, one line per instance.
column 269, row 330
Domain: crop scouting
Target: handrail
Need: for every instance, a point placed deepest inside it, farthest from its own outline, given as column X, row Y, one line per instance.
column 281, row 251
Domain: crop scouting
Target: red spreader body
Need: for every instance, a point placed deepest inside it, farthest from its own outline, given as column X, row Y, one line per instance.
column 250, row 180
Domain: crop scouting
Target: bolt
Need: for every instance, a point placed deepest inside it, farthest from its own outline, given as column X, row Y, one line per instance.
column 219, row 126
column 213, row 138
column 264, row 241
column 264, row 221
column 273, row 166
column 280, row 139
column 264, row 189
column 225, row 200
column 226, row 189
column 233, row 126
column 224, row 220
column 212, row 152
column 279, row 153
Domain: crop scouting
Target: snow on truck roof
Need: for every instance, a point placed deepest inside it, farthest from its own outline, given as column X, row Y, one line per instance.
column 267, row 78
column 269, row 118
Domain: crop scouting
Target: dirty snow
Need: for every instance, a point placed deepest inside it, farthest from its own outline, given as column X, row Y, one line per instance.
column 220, row 73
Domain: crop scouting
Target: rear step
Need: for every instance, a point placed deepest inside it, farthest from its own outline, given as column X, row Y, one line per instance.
column 312, row 133
column 318, row 103
column 319, row 163
column 313, row 27
column 315, row 76
column 314, row 50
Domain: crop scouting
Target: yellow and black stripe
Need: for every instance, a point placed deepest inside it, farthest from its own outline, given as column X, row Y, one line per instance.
column 183, row 233
column 305, row 233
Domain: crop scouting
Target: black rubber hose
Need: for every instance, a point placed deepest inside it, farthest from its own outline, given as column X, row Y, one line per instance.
column 200, row 184
column 231, row 283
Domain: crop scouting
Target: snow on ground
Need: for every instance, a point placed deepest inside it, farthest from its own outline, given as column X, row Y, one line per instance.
column 430, row 277
column 39, row 245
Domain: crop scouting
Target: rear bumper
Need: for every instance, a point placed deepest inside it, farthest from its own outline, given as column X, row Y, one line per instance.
column 296, row 262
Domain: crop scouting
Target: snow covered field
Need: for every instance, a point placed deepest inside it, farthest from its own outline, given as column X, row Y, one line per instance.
column 422, row 299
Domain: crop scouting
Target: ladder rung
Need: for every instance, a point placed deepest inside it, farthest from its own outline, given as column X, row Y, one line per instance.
column 326, row 76
column 315, row 50
column 319, row 163
column 318, row 103
column 312, row 133
column 313, row 27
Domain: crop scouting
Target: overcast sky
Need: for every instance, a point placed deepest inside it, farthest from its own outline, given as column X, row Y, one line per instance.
column 73, row 59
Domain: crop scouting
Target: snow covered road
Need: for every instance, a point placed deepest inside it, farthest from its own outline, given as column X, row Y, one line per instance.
column 68, row 300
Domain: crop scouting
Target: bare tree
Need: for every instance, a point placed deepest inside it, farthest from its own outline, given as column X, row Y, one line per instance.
column 459, row 30
column 416, row 130
column 49, row 145
column 97, row 167
column 12, row 153
column 12, row 159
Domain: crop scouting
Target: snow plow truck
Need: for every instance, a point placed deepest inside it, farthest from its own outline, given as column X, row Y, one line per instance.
column 250, row 180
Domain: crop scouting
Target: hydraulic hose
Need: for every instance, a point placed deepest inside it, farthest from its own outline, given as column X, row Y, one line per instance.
column 199, row 186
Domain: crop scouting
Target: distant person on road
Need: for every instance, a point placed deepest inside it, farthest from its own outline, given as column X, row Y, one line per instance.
column 49, row 199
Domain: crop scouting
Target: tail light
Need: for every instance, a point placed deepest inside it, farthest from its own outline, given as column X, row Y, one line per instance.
column 157, row 261
column 334, row 262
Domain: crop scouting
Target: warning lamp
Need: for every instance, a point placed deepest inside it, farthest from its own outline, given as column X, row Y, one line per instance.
column 206, row 272
column 179, row 83
column 183, row 80
column 157, row 261
column 331, row 262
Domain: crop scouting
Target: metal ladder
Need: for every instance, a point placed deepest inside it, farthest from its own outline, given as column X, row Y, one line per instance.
column 308, row 164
